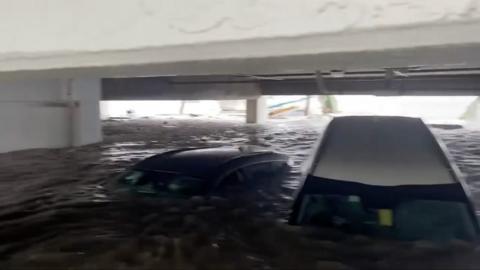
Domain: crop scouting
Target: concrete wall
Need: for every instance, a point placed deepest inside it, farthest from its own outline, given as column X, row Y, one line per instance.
column 111, row 37
column 40, row 114
column 28, row 119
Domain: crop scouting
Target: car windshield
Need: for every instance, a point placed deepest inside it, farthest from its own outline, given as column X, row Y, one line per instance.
column 154, row 182
column 408, row 220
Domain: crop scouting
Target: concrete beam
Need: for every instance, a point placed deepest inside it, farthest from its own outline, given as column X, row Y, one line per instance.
column 455, row 86
column 443, row 82
column 421, row 86
column 161, row 88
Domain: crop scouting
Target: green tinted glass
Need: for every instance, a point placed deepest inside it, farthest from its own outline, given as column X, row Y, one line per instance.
column 133, row 177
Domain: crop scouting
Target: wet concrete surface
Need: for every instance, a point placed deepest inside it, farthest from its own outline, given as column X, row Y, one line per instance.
column 62, row 209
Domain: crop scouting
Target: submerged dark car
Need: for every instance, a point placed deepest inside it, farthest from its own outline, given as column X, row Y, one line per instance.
column 205, row 171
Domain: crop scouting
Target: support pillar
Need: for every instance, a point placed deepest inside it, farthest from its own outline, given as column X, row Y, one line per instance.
column 257, row 110
column 472, row 115
column 182, row 107
column 308, row 109
column 83, row 95
column 104, row 110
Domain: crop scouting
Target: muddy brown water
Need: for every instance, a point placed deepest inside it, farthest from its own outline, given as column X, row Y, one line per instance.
column 62, row 209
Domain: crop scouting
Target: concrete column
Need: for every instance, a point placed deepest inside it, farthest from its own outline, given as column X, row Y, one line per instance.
column 104, row 110
column 257, row 110
column 182, row 107
column 472, row 115
column 85, row 117
column 49, row 113
column 308, row 101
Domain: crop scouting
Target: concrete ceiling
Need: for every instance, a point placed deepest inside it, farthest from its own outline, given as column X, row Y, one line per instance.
column 151, row 37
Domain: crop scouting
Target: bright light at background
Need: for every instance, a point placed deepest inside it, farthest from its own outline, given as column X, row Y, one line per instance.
column 435, row 109
column 431, row 108
column 151, row 108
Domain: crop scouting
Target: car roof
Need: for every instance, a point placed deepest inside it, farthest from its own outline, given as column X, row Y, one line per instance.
column 382, row 150
column 200, row 162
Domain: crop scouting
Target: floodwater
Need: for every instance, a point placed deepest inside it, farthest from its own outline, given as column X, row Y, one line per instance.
column 62, row 209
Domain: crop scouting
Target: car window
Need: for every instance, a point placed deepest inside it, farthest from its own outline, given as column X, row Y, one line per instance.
column 139, row 178
column 262, row 170
column 143, row 181
column 185, row 185
column 433, row 220
column 132, row 177
column 256, row 175
column 336, row 210
column 163, row 182
column 408, row 220
column 231, row 181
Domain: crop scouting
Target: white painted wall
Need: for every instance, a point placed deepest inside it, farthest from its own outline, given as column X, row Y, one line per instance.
column 26, row 118
column 116, row 37
column 35, row 114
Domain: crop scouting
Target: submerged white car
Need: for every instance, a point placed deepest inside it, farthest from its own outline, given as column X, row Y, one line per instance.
column 385, row 176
